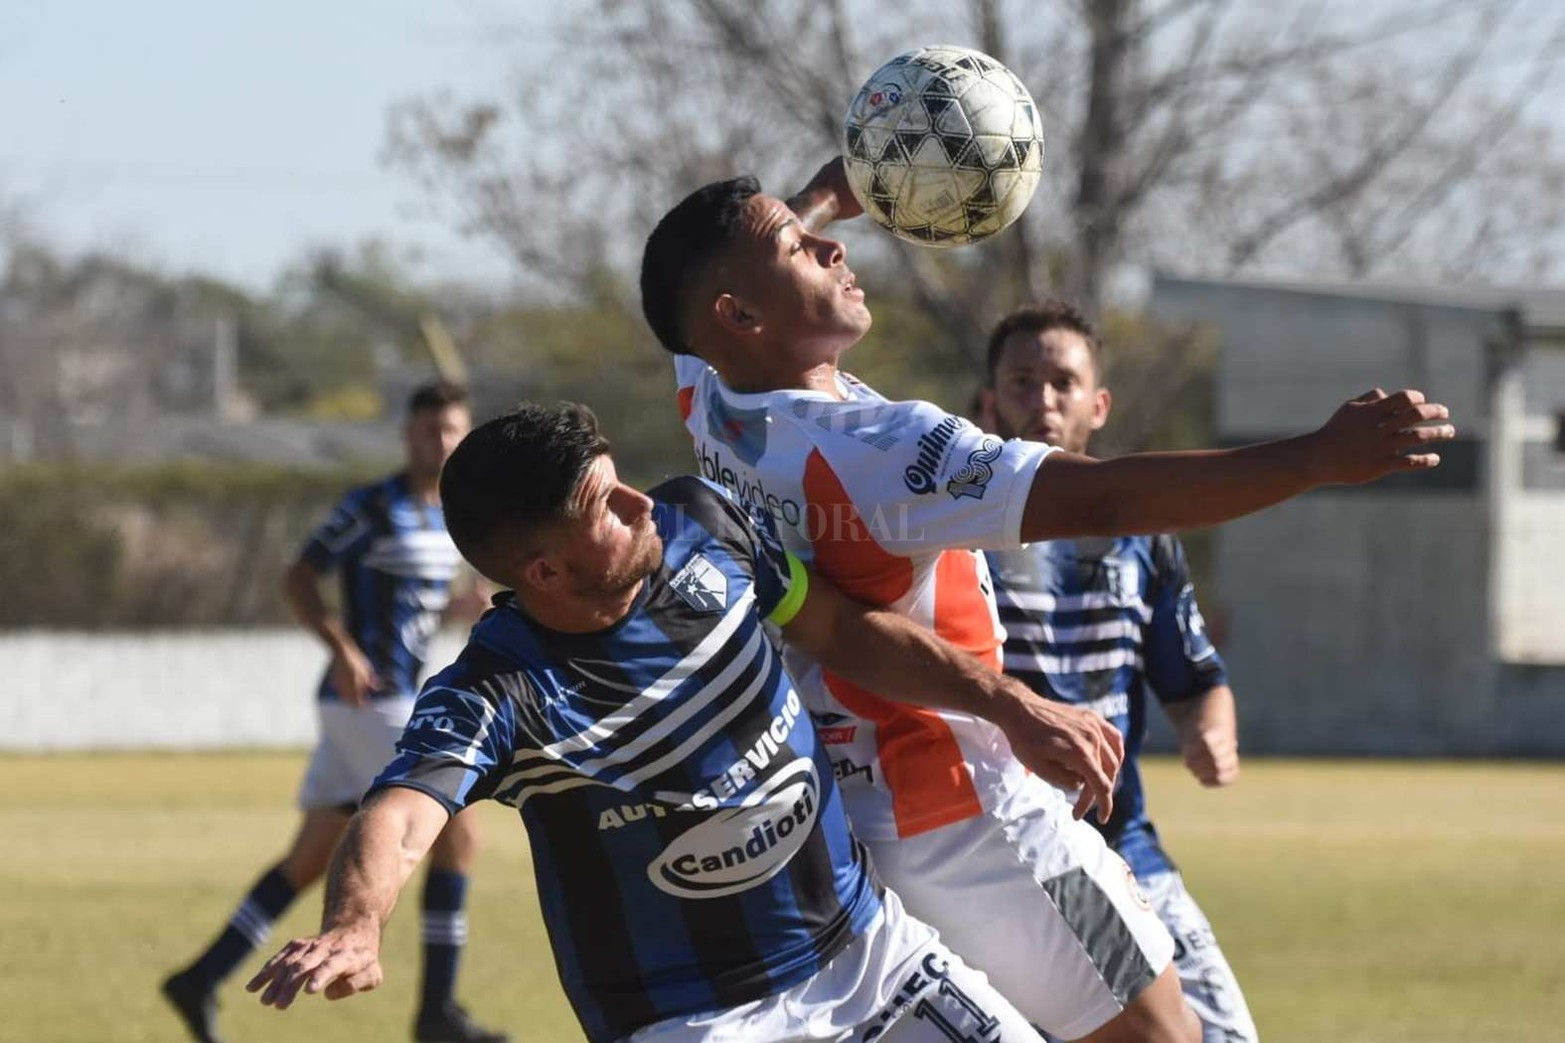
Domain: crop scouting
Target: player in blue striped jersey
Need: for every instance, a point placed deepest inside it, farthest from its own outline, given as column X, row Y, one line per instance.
column 694, row 864
column 388, row 543
column 1108, row 623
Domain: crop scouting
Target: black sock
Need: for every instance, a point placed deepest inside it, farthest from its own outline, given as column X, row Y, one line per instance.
column 248, row 928
column 445, row 932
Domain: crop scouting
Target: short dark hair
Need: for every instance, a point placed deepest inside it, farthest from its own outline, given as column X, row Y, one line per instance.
column 1038, row 319
column 684, row 242
column 437, row 396
column 515, row 473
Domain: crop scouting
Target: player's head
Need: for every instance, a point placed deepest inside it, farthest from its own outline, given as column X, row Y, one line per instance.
column 1041, row 378
column 532, row 500
column 439, row 416
column 731, row 275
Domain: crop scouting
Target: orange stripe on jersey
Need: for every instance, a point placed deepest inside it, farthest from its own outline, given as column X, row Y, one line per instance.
column 687, row 398
column 919, row 756
column 845, row 550
column 962, row 614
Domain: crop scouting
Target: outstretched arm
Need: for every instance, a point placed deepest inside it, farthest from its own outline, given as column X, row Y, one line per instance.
column 891, row 655
column 383, row 844
column 1369, row 437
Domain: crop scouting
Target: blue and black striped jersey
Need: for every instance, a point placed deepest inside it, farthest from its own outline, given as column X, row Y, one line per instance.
column 689, row 842
column 1099, row 623
column 396, row 562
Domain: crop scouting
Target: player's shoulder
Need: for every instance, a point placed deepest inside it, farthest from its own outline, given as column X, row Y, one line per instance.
column 378, row 493
column 688, row 500
column 1163, row 551
column 871, row 421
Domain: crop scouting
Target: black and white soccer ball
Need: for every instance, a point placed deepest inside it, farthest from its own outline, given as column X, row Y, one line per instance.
column 944, row 146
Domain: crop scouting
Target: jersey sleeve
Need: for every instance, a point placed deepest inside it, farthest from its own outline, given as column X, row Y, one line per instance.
column 1181, row 661
column 919, row 478
column 750, row 535
column 344, row 533
column 455, row 747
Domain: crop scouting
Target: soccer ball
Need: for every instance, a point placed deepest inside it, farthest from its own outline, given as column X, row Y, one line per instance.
column 943, row 146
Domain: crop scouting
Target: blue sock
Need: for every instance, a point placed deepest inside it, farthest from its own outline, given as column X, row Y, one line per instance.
column 445, row 932
column 247, row 929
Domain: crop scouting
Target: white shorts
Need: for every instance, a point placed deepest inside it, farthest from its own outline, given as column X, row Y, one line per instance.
column 895, row 984
column 1036, row 900
column 355, row 744
column 1209, row 983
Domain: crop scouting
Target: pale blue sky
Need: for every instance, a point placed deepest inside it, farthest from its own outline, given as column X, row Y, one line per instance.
column 228, row 137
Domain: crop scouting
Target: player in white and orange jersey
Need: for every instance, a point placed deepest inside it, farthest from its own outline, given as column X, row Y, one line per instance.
column 889, row 501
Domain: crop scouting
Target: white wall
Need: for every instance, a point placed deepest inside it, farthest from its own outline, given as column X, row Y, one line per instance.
column 178, row 690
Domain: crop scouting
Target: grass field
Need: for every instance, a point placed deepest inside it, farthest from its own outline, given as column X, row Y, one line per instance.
column 1375, row 902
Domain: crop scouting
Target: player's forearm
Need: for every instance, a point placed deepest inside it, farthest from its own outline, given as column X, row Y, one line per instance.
column 301, row 590
column 816, row 206
column 1162, row 492
column 889, row 654
column 1210, row 713
column 377, row 855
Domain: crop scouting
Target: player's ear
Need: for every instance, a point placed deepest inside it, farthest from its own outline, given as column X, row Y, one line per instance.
column 542, row 574
column 1101, row 401
column 983, row 410
column 734, row 316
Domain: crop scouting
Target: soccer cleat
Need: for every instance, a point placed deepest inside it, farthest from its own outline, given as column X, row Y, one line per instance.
column 196, row 1004
column 452, row 1024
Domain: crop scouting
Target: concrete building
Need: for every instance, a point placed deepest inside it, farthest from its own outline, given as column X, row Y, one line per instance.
column 1424, row 614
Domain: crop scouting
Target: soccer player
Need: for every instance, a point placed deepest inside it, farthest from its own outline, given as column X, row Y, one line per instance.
column 388, row 541
column 886, row 500
column 694, row 865
column 1100, row 623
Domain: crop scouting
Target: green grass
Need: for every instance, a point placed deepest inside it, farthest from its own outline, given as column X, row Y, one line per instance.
column 1358, row 901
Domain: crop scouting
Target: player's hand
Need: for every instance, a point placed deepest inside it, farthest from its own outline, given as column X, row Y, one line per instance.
column 1378, row 434
column 1067, row 746
column 828, row 197
column 352, row 676
column 1212, row 755
column 339, row 962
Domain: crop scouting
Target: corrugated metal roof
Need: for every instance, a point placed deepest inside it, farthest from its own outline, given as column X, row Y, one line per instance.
column 1540, row 308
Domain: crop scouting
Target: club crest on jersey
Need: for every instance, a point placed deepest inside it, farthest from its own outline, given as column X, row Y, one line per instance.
column 701, row 585
column 1120, row 579
column 743, row 847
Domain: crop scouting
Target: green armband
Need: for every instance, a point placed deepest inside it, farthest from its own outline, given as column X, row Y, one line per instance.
column 798, row 586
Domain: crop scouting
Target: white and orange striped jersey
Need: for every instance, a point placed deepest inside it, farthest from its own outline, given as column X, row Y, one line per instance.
column 890, row 502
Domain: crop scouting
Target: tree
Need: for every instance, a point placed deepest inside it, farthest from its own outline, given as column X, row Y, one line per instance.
column 1207, row 136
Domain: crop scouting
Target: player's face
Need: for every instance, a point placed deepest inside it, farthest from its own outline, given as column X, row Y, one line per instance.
column 432, row 436
column 612, row 543
column 1046, row 390
column 794, row 286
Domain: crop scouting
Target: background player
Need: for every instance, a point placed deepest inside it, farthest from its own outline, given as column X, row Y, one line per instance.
column 388, row 540
column 886, row 499
column 694, row 864
column 1101, row 622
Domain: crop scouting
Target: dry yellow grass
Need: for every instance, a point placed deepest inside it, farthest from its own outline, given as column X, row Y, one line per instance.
column 1373, row 902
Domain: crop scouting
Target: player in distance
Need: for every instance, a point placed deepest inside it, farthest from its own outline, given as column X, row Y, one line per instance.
column 389, row 543
column 1106, row 623
column 890, row 501
column 694, row 865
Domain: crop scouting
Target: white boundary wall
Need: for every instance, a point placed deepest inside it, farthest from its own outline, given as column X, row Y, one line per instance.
column 174, row 690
